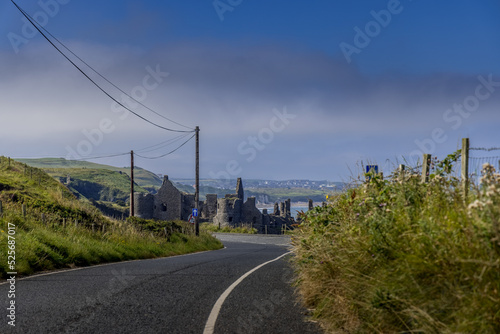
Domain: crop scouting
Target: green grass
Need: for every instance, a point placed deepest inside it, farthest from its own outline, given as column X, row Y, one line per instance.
column 97, row 184
column 47, row 244
column 404, row 257
column 208, row 227
column 142, row 177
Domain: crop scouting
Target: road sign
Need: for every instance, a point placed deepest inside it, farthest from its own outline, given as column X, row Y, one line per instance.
column 195, row 212
column 372, row 168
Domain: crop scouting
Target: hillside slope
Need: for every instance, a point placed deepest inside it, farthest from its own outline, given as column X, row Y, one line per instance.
column 142, row 177
column 97, row 184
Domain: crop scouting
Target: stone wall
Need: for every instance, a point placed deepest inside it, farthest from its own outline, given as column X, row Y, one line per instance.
column 144, row 205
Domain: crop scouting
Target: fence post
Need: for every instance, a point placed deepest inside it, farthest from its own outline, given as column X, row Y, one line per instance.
column 93, row 228
column 1, row 210
column 24, row 210
column 426, row 168
column 43, row 218
column 401, row 170
column 76, row 222
column 465, row 166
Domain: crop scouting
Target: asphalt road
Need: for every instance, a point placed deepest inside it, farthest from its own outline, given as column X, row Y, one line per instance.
column 167, row 295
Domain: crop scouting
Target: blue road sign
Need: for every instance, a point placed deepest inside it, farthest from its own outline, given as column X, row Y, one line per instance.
column 372, row 168
column 195, row 212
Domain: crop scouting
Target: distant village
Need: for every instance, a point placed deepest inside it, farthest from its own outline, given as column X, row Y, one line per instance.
column 227, row 184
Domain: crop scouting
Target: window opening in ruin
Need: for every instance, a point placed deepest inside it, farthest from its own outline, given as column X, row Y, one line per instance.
column 163, row 207
column 230, row 219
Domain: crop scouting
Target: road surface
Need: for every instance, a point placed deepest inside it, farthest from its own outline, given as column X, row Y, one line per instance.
column 199, row 293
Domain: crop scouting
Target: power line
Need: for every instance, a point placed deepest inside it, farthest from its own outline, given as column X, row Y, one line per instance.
column 88, row 77
column 107, row 80
column 102, row 156
column 485, row 149
column 164, row 155
column 162, row 144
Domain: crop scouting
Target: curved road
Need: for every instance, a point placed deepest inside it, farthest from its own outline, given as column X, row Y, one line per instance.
column 167, row 295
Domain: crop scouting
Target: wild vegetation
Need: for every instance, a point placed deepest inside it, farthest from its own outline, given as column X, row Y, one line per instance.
column 209, row 227
column 403, row 256
column 58, row 231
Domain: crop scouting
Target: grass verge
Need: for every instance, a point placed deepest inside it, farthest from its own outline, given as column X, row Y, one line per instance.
column 208, row 227
column 402, row 256
column 39, row 215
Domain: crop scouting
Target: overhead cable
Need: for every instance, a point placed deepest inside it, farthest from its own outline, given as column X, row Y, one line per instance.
column 88, row 77
column 164, row 155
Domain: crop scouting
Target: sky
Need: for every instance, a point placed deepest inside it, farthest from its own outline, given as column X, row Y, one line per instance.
column 280, row 89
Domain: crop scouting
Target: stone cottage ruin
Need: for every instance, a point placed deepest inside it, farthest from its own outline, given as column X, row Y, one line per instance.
column 171, row 204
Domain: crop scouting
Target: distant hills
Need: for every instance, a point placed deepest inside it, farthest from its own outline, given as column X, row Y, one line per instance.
column 110, row 185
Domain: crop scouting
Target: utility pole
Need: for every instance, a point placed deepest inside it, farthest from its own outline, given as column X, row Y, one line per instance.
column 197, row 190
column 131, row 183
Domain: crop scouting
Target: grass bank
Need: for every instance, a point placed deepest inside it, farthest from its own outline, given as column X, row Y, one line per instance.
column 209, row 227
column 50, row 229
column 402, row 256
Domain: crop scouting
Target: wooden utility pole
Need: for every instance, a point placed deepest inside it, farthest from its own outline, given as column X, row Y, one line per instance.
column 401, row 170
column 197, row 190
column 465, row 166
column 131, row 183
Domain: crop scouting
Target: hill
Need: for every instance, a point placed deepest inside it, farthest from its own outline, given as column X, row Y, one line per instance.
column 144, row 178
column 97, row 184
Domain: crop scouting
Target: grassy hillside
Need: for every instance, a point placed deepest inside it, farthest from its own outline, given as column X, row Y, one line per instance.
column 142, row 177
column 396, row 256
column 97, row 184
column 46, row 236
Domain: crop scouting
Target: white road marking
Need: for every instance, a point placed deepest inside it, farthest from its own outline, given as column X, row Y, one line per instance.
column 61, row 271
column 212, row 318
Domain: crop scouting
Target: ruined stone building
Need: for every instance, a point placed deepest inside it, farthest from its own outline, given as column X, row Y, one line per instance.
column 231, row 210
column 171, row 204
column 168, row 204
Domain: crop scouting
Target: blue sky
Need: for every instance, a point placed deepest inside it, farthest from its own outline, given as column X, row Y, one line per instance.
column 234, row 77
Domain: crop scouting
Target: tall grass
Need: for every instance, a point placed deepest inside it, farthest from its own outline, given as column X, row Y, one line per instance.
column 212, row 227
column 402, row 256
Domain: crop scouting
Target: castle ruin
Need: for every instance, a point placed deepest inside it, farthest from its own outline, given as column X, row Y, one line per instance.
column 171, row 204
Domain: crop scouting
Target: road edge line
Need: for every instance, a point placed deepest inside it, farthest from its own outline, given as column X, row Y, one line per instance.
column 214, row 314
